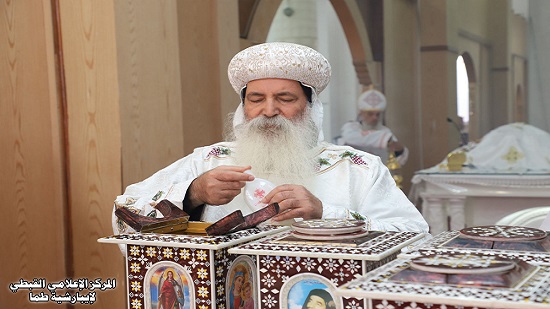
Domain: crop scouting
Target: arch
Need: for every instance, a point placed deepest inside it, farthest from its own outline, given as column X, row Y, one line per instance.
column 258, row 20
column 261, row 13
column 356, row 34
column 469, row 63
column 245, row 266
column 473, row 123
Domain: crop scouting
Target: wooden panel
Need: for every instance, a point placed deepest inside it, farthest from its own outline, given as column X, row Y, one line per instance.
column 227, row 28
column 200, row 67
column 94, row 140
column 150, row 87
column 31, row 158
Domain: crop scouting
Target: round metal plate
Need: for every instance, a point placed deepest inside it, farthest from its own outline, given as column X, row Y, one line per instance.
column 328, row 226
column 352, row 235
column 462, row 263
column 503, row 233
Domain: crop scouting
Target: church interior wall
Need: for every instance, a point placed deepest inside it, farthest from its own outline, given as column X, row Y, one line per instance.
column 434, row 88
column 401, row 80
column 538, row 41
column 145, row 83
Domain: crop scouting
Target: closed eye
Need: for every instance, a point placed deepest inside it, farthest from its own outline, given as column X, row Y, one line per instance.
column 287, row 98
column 255, row 98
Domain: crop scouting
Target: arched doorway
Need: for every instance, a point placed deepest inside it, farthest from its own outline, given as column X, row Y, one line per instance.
column 466, row 94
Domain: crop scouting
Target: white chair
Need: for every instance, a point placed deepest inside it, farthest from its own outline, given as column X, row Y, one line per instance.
column 530, row 217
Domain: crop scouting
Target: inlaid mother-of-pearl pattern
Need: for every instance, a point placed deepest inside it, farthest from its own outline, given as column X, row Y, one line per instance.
column 196, row 241
column 503, row 232
column 438, row 244
column 461, row 263
column 377, row 286
column 196, row 261
column 281, row 261
column 205, row 258
column 376, row 248
column 328, row 223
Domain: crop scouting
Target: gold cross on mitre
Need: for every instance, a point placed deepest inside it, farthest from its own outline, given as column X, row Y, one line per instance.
column 373, row 100
column 513, row 155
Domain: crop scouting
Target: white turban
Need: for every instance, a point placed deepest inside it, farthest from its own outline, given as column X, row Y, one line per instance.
column 371, row 100
column 281, row 60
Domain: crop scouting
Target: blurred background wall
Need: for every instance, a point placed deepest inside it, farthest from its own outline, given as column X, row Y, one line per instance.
column 95, row 95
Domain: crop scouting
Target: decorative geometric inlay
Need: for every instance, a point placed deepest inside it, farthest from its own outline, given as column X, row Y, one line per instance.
column 141, row 258
column 385, row 242
column 378, row 284
column 155, row 238
column 442, row 243
column 503, row 233
column 447, row 263
column 312, row 236
column 328, row 226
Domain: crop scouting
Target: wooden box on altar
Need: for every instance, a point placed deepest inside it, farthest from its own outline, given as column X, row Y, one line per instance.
column 395, row 286
column 201, row 268
column 474, row 278
column 535, row 251
column 290, row 269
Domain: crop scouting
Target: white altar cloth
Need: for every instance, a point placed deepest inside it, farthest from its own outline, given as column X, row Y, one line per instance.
column 473, row 197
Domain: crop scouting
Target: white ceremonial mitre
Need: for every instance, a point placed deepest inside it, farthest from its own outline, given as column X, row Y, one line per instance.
column 371, row 100
column 281, row 60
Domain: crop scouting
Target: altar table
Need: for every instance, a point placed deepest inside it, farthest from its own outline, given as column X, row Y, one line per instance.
column 473, row 197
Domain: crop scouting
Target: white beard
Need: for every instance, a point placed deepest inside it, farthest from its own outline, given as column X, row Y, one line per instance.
column 367, row 127
column 277, row 148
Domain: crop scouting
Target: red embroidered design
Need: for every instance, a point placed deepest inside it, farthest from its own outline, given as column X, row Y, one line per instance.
column 259, row 193
column 355, row 158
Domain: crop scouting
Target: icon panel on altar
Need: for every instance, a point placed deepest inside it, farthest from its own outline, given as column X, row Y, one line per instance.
column 196, row 267
column 309, row 291
column 241, row 284
column 167, row 285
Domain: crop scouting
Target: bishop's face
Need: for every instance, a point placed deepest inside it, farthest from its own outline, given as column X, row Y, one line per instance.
column 371, row 117
column 279, row 133
column 272, row 97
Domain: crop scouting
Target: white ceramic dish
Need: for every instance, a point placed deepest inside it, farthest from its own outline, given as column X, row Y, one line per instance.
column 356, row 234
column 255, row 190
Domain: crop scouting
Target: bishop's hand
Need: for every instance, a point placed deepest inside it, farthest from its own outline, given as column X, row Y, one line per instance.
column 295, row 201
column 218, row 186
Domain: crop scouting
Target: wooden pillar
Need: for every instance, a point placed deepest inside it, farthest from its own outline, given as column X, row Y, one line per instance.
column 401, row 81
column 93, row 141
column 31, row 165
column 207, row 42
column 437, row 83
column 147, row 46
